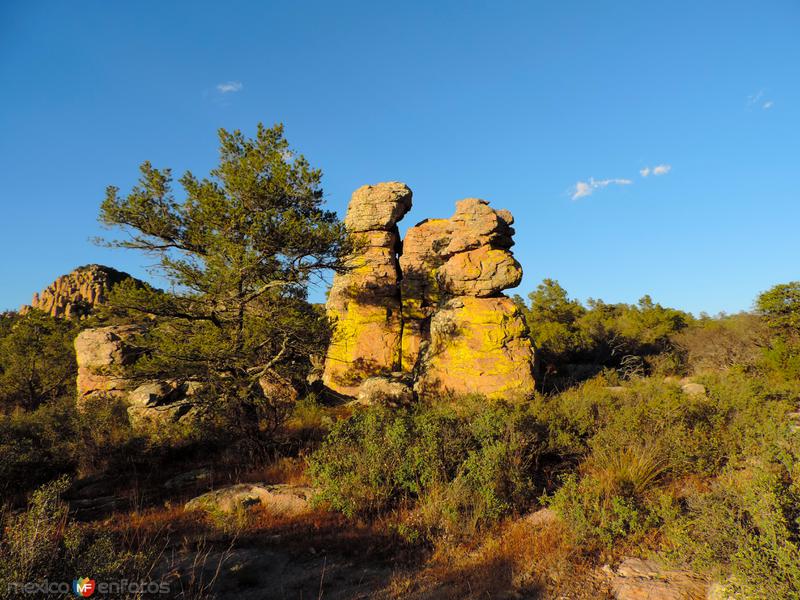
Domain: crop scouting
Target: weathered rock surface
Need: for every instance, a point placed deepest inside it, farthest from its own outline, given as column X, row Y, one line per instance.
column 195, row 477
column 281, row 499
column 388, row 391
column 693, row 389
column 637, row 579
column 432, row 307
column 365, row 301
column 478, row 345
column 102, row 354
column 465, row 255
column 156, row 403
column 75, row 294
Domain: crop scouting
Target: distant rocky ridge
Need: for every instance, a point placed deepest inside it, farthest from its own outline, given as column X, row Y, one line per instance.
column 430, row 306
column 76, row 294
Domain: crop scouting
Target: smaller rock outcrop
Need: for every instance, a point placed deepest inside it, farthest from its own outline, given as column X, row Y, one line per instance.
column 76, row 294
column 637, row 579
column 396, row 390
column 281, row 499
column 102, row 354
column 156, row 403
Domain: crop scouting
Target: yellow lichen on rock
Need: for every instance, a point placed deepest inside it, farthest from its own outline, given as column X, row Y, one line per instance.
column 364, row 301
column 431, row 307
column 479, row 345
column 365, row 343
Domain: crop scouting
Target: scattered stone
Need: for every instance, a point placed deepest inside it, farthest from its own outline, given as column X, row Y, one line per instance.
column 190, row 478
column 388, row 391
column 694, row 389
column 281, row 499
column 637, row 579
column 156, row 403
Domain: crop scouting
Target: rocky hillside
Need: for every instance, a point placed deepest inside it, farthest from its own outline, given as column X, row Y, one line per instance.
column 75, row 294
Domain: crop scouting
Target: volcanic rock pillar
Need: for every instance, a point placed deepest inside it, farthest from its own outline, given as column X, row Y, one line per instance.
column 365, row 301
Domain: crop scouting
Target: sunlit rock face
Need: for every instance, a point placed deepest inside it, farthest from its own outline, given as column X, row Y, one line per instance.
column 364, row 302
column 102, row 355
column 76, row 294
column 432, row 307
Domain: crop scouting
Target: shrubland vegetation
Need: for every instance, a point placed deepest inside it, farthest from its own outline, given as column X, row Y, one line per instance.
column 629, row 460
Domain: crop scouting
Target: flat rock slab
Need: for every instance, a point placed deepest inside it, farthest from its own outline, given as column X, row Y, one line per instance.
column 284, row 500
column 637, row 579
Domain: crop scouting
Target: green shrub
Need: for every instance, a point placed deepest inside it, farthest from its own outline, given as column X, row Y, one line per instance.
column 616, row 498
column 42, row 543
column 36, row 447
column 456, row 466
column 635, row 446
column 745, row 530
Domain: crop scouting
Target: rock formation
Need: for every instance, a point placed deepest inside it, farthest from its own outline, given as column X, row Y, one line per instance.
column 365, row 301
column 77, row 293
column 454, row 331
column 102, row 353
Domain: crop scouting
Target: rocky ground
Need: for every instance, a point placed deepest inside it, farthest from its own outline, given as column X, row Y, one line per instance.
column 256, row 540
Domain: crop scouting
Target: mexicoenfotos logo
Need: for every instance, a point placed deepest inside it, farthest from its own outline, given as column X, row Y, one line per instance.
column 83, row 586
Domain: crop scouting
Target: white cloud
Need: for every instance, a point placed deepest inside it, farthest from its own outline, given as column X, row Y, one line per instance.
column 229, row 87
column 662, row 169
column 582, row 189
column 754, row 98
column 587, row 188
column 644, row 172
column 759, row 99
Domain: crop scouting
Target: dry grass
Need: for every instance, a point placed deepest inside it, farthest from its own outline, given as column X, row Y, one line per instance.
column 631, row 470
column 289, row 470
column 520, row 557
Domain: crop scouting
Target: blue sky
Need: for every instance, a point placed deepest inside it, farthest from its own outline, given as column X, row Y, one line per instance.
column 551, row 109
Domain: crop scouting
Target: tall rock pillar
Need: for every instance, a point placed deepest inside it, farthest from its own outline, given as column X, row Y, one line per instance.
column 365, row 301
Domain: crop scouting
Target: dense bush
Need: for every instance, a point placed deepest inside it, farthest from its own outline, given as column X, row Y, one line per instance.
column 37, row 446
column 635, row 441
column 457, row 467
column 720, row 343
column 745, row 529
column 37, row 360
column 575, row 342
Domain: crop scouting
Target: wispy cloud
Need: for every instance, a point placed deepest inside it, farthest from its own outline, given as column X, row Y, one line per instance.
column 662, row 169
column 753, row 99
column 229, row 87
column 657, row 170
column 587, row 188
column 759, row 99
